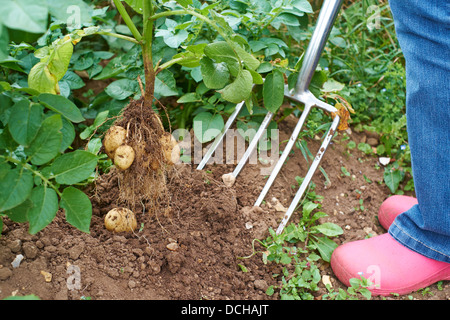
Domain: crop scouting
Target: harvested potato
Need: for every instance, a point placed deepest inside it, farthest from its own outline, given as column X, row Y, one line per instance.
column 171, row 148
column 228, row 179
column 114, row 138
column 124, row 157
column 120, row 220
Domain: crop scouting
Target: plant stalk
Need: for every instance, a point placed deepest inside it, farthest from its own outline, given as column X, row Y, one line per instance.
column 123, row 12
column 119, row 36
column 26, row 166
column 150, row 73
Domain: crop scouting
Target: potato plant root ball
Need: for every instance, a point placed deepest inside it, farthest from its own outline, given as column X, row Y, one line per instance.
column 143, row 181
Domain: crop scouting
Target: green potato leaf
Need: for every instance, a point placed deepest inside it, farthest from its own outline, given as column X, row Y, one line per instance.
column 215, row 75
column 59, row 63
column 15, row 186
column 62, row 105
column 43, row 211
column 240, row 89
column 273, row 91
column 222, row 52
column 74, row 167
column 25, row 121
column 78, row 208
column 30, row 16
column 47, row 143
column 207, row 126
column 42, row 80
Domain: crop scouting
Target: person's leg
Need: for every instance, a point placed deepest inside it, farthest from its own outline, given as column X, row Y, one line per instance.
column 423, row 31
column 416, row 251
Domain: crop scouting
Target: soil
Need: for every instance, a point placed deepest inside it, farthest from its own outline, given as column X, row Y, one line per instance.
column 191, row 249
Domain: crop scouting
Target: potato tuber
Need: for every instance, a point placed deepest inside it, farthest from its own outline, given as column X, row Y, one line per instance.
column 171, row 148
column 124, row 157
column 114, row 138
column 120, row 220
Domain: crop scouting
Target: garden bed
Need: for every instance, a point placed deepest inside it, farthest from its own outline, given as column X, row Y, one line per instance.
column 193, row 249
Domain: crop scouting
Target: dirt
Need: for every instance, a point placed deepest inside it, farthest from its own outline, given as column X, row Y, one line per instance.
column 191, row 249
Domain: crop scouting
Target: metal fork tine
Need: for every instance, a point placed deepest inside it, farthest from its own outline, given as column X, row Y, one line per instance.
column 220, row 137
column 284, row 155
column 310, row 102
column 253, row 144
column 309, row 175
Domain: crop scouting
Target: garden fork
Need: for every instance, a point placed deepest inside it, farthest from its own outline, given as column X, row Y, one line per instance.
column 301, row 94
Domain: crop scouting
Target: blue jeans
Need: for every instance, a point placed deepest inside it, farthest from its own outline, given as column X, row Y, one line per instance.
column 423, row 31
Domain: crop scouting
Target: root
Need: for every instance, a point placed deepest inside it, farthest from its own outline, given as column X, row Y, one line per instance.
column 146, row 180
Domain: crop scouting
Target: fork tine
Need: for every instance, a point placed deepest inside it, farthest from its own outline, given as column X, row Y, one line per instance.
column 284, row 155
column 310, row 102
column 253, row 144
column 309, row 175
column 220, row 137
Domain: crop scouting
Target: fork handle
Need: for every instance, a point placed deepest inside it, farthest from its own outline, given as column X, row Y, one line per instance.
column 325, row 21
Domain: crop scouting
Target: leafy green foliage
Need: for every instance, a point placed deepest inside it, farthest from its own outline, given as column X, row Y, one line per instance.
column 297, row 247
column 30, row 16
column 37, row 172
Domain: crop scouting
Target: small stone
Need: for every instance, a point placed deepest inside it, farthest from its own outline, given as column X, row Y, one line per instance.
column 132, row 284
column 173, row 246
column 15, row 245
column 75, row 251
column 369, row 231
column 278, row 206
column 327, row 280
column 47, row 276
column 384, row 160
column 17, row 261
column 373, row 142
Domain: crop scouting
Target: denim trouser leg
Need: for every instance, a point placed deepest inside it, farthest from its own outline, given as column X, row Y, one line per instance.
column 423, row 30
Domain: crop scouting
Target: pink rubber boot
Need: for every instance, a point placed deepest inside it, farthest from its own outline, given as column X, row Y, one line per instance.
column 390, row 266
column 392, row 207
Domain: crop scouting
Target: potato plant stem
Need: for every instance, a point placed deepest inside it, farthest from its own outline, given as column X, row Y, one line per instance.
column 119, row 36
column 171, row 63
column 123, row 12
column 150, row 73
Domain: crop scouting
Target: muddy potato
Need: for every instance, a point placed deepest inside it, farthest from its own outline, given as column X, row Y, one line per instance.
column 114, row 138
column 124, row 157
column 171, row 148
column 228, row 179
column 120, row 220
